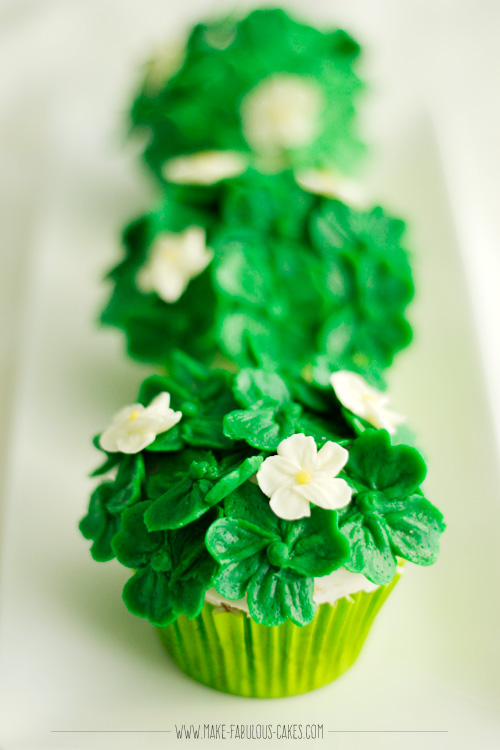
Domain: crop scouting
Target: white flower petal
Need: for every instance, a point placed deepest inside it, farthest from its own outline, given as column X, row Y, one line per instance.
column 123, row 416
column 144, row 280
column 161, row 402
column 332, row 185
column 133, row 442
column 350, row 388
column 159, row 415
column 135, row 427
column 109, row 439
column 287, row 504
column 173, row 260
column 325, row 492
column 204, row 167
column 300, row 449
column 276, row 472
column 160, row 423
column 164, row 65
column 331, row 458
column 196, row 255
column 282, row 111
column 355, row 394
column 171, row 419
column 169, row 284
column 300, row 475
column 383, row 419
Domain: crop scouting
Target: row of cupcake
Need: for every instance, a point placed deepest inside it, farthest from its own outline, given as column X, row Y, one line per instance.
column 258, row 489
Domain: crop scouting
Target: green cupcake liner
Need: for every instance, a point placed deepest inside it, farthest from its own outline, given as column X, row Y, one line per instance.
column 230, row 652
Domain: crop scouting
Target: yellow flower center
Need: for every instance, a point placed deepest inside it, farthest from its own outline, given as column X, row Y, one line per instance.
column 172, row 254
column 134, row 414
column 304, row 476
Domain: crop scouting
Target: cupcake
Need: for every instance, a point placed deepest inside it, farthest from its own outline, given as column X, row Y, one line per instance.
column 264, row 273
column 265, row 510
column 264, row 519
column 266, row 90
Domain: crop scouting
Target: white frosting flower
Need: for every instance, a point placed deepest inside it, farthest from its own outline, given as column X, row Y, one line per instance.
column 355, row 394
column 174, row 259
column 300, row 475
column 136, row 426
column 204, row 167
column 282, row 112
column 330, row 184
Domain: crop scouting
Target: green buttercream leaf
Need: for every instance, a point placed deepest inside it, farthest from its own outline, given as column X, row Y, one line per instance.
column 181, row 504
column 233, row 479
column 170, row 440
column 232, row 581
column 181, row 392
column 369, row 278
column 99, row 525
column 397, row 471
column 230, row 540
column 153, row 327
column 321, row 429
column 175, row 568
column 197, row 487
column 148, row 594
column 206, row 432
column 273, row 597
column 263, row 426
column 388, row 514
column 134, row 545
column 112, row 459
column 273, row 205
column 189, row 596
column 272, row 560
column 370, row 548
column 203, row 396
column 414, row 527
column 316, row 546
column 128, row 483
column 298, row 596
column 248, row 503
column 257, row 385
column 265, row 597
column 107, row 502
column 315, row 397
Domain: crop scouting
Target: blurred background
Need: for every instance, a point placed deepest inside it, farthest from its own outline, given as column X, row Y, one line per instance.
column 69, row 180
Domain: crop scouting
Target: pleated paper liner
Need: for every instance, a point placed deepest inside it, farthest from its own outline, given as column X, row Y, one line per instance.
column 230, row 652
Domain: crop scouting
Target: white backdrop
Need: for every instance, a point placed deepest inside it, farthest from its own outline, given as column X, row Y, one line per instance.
column 71, row 658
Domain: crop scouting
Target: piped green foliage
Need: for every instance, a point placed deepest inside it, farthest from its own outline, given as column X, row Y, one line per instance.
column 197, row 106
column 370, row 278
column 109, row 500
column 173, row 569
column 310, row 282
column 388, row 515
column 271, row 560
